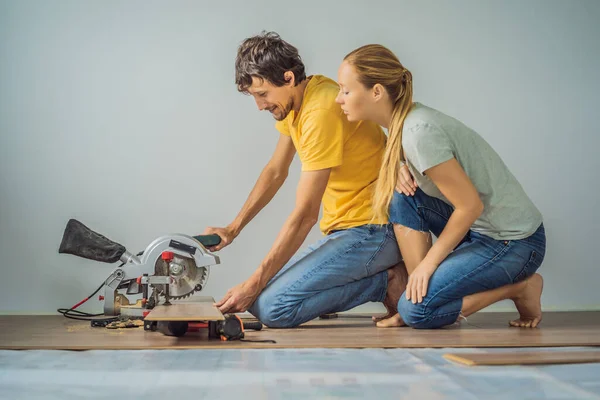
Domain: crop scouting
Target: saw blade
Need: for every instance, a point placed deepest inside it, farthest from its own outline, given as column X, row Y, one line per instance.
column 186, row 278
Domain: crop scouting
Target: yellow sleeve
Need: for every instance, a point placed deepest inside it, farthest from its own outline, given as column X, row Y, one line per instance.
column 321, row 141
column 282, row 127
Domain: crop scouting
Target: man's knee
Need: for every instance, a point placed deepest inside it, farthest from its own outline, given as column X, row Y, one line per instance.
column 277, row 318
column 273, row 313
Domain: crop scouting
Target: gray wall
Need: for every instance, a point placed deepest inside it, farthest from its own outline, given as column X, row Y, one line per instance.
column 124, row 115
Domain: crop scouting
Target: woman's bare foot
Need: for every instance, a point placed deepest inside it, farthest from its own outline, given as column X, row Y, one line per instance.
column 397, row 279
column 529, row 303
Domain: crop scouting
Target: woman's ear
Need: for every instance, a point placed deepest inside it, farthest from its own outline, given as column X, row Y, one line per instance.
column 378, row 91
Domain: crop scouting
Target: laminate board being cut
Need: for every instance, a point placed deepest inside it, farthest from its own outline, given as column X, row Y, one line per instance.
column 198, row 309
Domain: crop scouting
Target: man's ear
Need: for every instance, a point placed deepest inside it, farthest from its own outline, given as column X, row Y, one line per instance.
column 289, row 77
column 378, row 91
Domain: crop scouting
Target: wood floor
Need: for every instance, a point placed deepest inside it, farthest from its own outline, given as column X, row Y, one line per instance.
column 347, row 331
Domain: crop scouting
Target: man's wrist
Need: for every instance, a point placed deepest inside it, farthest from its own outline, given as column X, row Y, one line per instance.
column 234, row 228
column 258, row 279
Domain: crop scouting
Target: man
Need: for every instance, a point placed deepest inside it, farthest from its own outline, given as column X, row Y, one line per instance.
column 340, row 160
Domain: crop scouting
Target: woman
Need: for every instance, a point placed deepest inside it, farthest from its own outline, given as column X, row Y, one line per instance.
column 490, row 236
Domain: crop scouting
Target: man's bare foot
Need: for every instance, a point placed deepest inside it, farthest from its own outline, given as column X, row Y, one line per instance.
column 393, row 321
column 529, row 303
column 397, row 280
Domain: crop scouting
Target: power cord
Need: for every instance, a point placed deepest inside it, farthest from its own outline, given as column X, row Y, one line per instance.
column 258, row 341
column 72, row 313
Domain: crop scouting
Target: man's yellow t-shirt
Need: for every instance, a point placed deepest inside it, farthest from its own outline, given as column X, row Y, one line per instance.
column 324, row 138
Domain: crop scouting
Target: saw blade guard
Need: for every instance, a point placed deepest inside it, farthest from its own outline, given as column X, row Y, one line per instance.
column 187, row 263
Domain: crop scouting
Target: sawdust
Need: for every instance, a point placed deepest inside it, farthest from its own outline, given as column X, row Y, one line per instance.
column 115, row 325
column 125, row 324
column 78, row 328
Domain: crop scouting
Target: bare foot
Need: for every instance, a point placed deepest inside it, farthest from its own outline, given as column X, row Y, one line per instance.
column 397, row 279
column 529, row 303
column 393, row 321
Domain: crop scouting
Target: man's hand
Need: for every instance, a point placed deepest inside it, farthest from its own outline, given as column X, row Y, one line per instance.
column 406, row 183
column 226, row 234
column 418, row 282
column 239, row 298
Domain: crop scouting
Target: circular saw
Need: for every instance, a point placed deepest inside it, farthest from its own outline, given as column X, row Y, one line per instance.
column 174, row 266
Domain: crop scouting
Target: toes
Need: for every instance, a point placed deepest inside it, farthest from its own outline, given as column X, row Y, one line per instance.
column 529, row 323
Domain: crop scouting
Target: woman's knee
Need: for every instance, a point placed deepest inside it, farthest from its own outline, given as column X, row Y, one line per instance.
column 413, row 315
column 419, row 316
column 403, row 210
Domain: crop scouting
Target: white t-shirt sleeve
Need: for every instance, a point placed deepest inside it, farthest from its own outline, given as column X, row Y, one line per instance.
column 426, row 146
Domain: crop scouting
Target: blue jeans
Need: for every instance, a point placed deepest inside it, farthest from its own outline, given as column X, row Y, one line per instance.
column 345, row 269
column 479, row 263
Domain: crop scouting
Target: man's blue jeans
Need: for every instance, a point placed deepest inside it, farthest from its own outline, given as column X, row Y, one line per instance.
column 479, row 263
column 345, row 269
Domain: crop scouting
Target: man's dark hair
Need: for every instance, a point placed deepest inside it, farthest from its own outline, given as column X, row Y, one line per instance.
column 267, row 56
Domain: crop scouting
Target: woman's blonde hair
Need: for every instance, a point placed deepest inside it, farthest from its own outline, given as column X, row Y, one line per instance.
column 377, row 64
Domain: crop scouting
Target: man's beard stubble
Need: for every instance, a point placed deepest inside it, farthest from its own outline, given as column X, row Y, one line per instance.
column 286, row 111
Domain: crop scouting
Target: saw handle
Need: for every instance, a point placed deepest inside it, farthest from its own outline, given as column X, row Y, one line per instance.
column 208, row 240
column 256, row 326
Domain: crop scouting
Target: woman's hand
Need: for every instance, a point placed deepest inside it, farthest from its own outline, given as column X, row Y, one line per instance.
column 406, row 183
column 416, row 289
